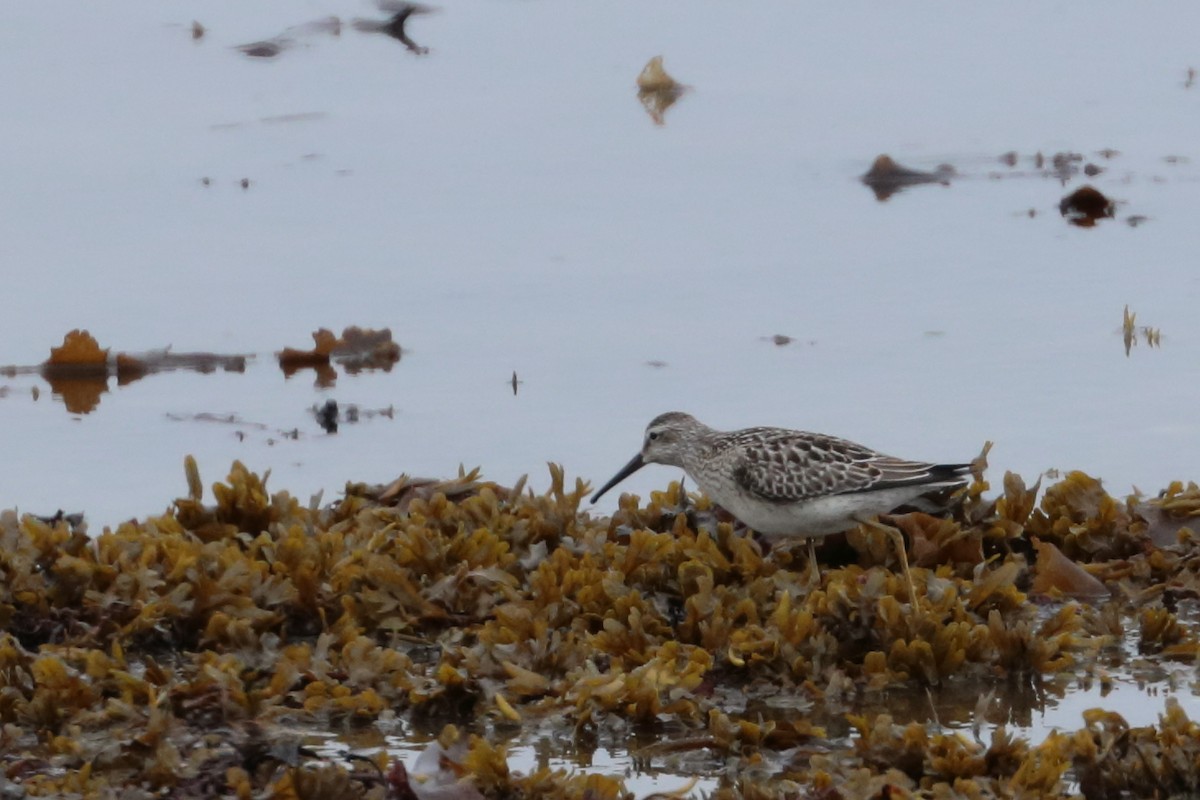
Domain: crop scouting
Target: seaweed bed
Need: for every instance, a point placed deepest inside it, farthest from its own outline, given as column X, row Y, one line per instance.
column 179, row 656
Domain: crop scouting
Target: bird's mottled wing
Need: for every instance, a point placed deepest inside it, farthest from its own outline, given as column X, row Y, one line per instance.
column 791, row 466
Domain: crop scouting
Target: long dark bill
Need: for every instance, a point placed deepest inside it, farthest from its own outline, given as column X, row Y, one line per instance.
column 633, row 466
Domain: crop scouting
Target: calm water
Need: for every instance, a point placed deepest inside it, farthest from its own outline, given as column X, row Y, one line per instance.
column 505, row 203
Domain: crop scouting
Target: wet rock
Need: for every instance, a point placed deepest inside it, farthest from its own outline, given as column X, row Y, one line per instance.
column 1085, row 206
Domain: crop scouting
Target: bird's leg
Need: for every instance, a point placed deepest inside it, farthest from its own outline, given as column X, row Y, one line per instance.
column 814, row 572
column 898, row 538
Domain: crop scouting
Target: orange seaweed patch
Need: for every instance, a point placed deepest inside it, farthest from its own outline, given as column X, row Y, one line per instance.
column 356, row 349
column 291, row 358
column 78, row 348
column 1054, row 573
column 78, row 370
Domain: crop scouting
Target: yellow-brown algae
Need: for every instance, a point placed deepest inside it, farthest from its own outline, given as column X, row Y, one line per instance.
column 122, row 655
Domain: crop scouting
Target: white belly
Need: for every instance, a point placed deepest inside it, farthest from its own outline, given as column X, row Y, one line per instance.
column 817, row 517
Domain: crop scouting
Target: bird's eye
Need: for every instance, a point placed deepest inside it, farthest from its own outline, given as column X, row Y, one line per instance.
column 653, row 436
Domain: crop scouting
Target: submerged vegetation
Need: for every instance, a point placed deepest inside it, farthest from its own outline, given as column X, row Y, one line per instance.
column 181, row 655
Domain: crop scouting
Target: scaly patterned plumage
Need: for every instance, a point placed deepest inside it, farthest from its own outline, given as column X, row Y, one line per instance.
column 786, row 482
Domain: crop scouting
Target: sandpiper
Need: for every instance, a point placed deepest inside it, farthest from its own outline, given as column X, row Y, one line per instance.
column 782, row 482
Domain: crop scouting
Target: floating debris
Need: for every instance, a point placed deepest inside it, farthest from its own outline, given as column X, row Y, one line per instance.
column 394, row 25
column 267, row 48
column 356, row 350
column 327, row 416
column 657, row 90
column 198, row 30
column 330, row 414
column 244, row 183
column 1085, row 206
column 515, row 383
column 886, row 177
column 1131, row 333
column 1189, row 79
column 79, row 369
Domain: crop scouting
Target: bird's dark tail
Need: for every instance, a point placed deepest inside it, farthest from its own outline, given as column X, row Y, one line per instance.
column 949, row 472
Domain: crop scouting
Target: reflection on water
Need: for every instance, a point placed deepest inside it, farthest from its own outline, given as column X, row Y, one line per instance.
column 655, row 758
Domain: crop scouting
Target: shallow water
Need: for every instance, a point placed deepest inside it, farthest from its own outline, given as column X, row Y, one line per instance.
column 505, row 203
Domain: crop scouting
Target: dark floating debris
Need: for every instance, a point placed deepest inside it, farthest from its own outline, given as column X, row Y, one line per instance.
column 886, row 177
column 1189, row 79
column 327, row 416
column 244, row 183
column 198, row 30
column 657, row 90
column 1091, row 170
column 267, row 48
column 394, row 25
column 783, row 340
column 330, row 414
column 1085, row 206
column 515, row 383
column 1134, row 220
